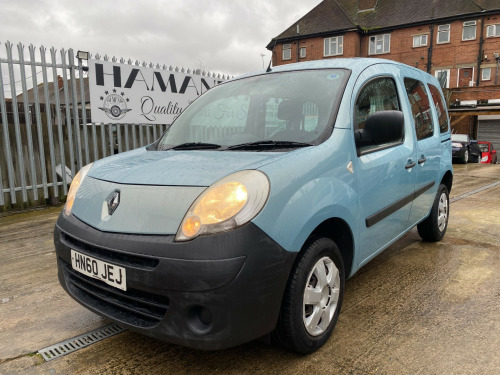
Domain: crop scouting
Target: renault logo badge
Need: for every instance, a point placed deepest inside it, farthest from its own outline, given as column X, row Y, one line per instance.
column 113, row 200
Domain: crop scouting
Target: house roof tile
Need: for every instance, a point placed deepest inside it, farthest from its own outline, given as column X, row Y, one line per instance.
column 337, row 16
column 323, row 18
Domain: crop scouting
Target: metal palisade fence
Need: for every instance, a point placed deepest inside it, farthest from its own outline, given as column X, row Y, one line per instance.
column 47, row 132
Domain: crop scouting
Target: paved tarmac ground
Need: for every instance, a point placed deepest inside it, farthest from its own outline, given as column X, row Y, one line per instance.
column 418, row 308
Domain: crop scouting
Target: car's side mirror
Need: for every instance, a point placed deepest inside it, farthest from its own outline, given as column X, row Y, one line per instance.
column 382, row 129
column 493, row 151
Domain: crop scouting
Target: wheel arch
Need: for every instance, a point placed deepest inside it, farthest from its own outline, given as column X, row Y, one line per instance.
column 338, row 231
column 447, row 180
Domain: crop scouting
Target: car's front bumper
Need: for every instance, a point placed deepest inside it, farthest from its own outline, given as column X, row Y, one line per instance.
column 210, row 293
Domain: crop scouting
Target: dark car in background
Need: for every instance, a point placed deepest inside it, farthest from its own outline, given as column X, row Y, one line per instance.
column 465, row 150
column 489, row 152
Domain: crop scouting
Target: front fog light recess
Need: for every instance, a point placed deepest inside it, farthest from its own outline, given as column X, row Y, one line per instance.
column 225, row 205
column 75, row 184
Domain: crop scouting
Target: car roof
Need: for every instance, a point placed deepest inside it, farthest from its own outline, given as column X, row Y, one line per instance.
column 355, row 64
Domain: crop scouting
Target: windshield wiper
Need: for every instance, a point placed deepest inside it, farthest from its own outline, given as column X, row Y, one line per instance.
column 196, row 146
column 259, row 145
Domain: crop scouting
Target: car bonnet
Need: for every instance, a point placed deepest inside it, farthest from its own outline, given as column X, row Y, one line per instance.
column 176, row 168
column 152, row 191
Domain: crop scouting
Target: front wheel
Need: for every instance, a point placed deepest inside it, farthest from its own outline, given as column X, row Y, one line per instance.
column 465, row 157
column 313, row 298
column 434, row 227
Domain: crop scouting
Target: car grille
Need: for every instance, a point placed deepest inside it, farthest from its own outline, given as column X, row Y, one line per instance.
column 134, row 307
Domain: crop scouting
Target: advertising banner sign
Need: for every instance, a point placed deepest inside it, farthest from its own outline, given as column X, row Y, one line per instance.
column 130, row 94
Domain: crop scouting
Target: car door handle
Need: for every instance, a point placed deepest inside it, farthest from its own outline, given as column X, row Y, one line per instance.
column 422, row 159
column 410, row 164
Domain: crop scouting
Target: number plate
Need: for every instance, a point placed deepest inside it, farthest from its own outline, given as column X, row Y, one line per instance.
column 109, row 273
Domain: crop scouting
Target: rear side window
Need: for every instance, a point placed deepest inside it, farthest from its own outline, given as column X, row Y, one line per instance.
column 420, row 108
column 378, row 95
column 440, row 106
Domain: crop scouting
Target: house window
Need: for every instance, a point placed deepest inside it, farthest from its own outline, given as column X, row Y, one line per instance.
column 443, row 35
column 302, row 52
column 493, row 30
column 334, row 46
column 469, row 31
column 287, row 51
column 420, row 40
column 443, row 77
column 379, row 44
column 485, row 74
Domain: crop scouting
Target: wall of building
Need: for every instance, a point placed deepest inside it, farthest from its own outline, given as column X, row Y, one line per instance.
column 315, row 49
column 464, row 126
column 458, row 57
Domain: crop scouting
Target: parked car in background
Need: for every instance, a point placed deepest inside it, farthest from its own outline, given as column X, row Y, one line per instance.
column 489, row 152
column 475, row 154
column 464, row 150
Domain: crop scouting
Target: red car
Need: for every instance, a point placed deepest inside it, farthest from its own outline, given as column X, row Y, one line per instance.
column 489, row 152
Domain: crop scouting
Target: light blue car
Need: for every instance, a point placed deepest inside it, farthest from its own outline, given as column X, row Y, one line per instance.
column 247, row 216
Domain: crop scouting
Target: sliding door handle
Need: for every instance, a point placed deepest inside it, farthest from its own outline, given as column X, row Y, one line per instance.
column 410, row 164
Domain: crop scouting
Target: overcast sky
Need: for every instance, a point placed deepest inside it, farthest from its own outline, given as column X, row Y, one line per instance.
column 223, row 36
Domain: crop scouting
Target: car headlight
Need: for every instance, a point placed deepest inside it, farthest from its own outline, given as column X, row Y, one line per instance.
column 75, row 184
column 456, row 144
column 225, row 205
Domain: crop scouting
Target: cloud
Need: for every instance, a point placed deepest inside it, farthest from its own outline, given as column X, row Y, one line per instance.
column 226, row 36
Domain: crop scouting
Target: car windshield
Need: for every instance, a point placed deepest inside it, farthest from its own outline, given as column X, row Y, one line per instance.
column 269, row 111
column 483, row 147
column 459, row 137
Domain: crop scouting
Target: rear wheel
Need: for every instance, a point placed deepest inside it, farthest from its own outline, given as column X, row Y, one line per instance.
column 313, row 298
column 434, row 227
column 475, row 159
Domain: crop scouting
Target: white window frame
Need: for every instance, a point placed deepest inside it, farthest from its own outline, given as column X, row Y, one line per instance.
column 484, row 76
column 287, row 48
column 339, row 45
column 303, row 52
column 493, row 31
column 436, row 74
column 443, row 29
column 466, row 25
column 418, row 40
column 375, row 40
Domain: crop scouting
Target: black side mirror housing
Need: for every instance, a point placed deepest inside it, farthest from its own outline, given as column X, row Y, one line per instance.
column 382, row 129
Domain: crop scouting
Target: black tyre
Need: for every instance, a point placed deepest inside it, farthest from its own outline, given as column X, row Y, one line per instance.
column 465, row 157
column 313, row 298
column 434, row 227
column 474, row 159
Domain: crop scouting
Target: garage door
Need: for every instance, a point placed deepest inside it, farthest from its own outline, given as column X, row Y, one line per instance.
column 489, row 130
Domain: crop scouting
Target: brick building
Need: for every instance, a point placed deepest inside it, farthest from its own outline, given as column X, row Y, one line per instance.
column 458, row 41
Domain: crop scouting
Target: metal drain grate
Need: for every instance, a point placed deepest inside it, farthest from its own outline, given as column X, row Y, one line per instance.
column 79, row 342
column 472, row 192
